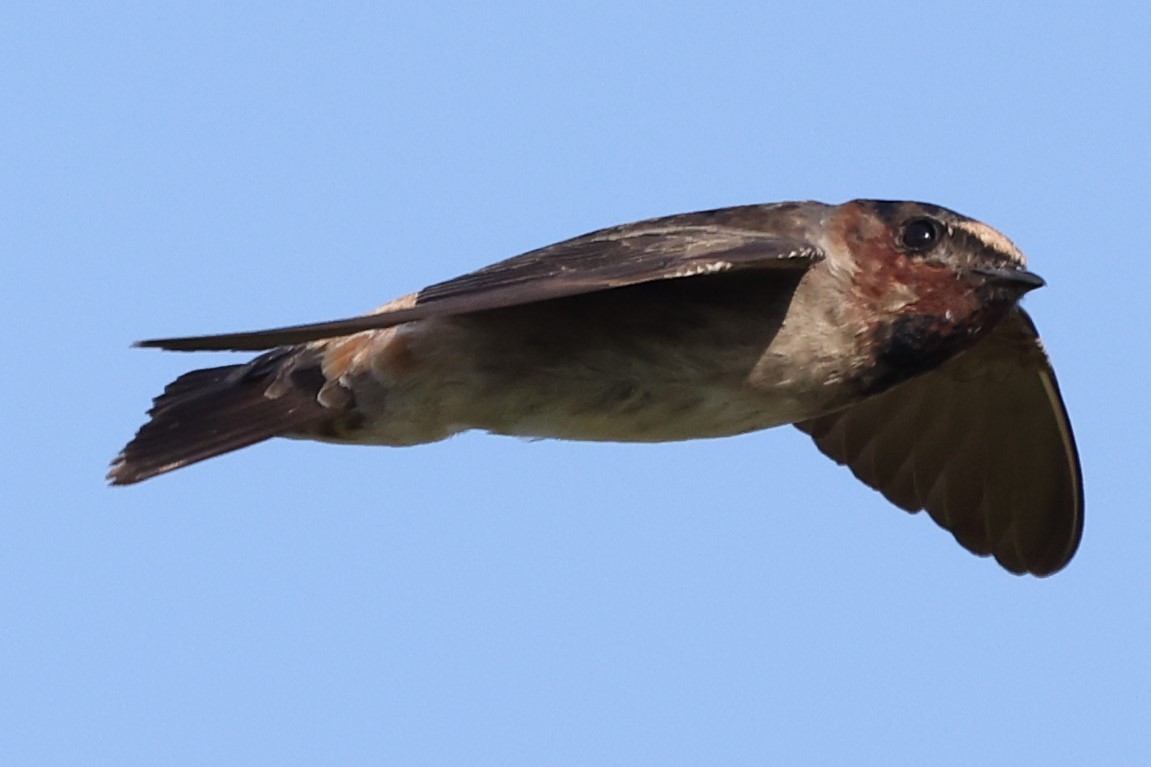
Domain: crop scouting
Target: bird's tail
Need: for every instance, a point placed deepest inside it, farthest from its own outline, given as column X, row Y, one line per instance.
column 210, row 412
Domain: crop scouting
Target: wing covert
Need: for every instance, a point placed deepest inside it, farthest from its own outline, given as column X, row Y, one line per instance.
column 676, row 247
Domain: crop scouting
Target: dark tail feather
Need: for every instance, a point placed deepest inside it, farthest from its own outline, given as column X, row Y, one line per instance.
column 210, row 412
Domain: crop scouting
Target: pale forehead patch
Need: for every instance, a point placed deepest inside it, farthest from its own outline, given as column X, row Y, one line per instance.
column 993, row 239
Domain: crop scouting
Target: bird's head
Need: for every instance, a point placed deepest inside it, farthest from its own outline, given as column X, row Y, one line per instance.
column 929, row 282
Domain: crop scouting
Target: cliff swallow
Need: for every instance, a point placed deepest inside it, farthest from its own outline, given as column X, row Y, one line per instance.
column 888, row 331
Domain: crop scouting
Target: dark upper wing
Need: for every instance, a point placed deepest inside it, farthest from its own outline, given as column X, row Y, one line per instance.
column 983, row 444
column 669, row 248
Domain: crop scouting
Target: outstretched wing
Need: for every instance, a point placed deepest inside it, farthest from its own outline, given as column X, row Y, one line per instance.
column 675, row 247
column 983, row 444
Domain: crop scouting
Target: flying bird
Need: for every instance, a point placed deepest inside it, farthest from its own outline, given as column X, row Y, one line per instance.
column 890, row 332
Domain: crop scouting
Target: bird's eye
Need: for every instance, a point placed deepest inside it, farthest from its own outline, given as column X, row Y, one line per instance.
column 920, row 234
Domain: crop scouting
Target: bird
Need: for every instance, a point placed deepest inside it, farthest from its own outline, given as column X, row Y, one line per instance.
column 888, row 331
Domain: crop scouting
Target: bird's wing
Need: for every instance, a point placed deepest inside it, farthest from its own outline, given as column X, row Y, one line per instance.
column 671, row 248
column 983, row 443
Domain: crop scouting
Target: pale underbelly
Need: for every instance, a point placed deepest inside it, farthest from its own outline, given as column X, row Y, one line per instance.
column 575, row 410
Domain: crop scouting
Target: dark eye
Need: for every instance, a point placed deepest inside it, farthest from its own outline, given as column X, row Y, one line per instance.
column 920, row 234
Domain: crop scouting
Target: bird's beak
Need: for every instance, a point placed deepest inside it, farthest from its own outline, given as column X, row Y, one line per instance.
column 1020, row 279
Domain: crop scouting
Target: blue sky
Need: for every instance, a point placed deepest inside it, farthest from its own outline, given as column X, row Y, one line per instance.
column 176, row 170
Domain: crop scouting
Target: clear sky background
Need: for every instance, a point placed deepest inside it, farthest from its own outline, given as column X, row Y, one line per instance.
column 489, row 601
